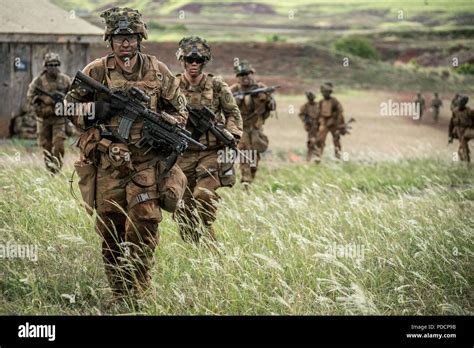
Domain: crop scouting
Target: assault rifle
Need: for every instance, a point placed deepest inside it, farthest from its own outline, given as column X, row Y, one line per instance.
column 204, row 120
column 241, row 94
column 160, row 130
column 346, row 126
column 57, row 96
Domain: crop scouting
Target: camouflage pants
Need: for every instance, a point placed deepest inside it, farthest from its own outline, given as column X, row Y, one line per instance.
column 195, row 219
column 247, row 142
column 320, row 141
column 128, row 217
column 464, row 135
column 435, row 114
column 51, row 134
column 311, row 144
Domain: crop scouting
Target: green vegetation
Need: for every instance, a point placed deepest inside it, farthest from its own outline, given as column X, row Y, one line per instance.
column 465, row 69
column 285, row 247
column 358, row 46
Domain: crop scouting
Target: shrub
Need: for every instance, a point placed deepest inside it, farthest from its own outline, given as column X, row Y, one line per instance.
column 357, row 46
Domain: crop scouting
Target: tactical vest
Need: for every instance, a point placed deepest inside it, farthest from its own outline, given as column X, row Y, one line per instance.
column 328, row 108
column 249, row 109
column 311, row 110
column 463, row 118
column 198, row 96
column 59, row 84
column 149, row 81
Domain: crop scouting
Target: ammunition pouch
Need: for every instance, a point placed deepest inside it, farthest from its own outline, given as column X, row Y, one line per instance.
column 226, row 173
column 171, row 187
column 87, row 173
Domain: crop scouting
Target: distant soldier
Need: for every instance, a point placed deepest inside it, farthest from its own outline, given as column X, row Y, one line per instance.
column 206, row 170
column 23, row 125
column 454, row 102
column 309, row 114
column 255, row 108
column 330, row 119
column 420, row 104
column 436, row 104
column 461, row 127
column 44, row 92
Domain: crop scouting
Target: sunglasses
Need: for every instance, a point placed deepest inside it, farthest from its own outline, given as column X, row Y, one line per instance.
column 191, row 60
column 54, row 65
column 119, row 39
column 243, row 74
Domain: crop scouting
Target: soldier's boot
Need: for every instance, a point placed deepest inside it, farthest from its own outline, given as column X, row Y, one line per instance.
column 58, row 154
column 111, row 227
column 337, row 153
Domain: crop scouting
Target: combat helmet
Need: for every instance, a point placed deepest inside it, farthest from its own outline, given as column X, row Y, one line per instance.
column 51, row 57
column 327, row 86
column 193, row 46
column 123, row 20
column 310, row 95
column 244, row 67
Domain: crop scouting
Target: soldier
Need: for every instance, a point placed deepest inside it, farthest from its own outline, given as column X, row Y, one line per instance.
column 309, row 115
column 436, row 103
column 420, row 104
column 206, row 170
column 127, row 185
column 255, row 109
column 330, row 119
column 51, row 128
column 461, row 127
column 454, row 102
column 23, row 125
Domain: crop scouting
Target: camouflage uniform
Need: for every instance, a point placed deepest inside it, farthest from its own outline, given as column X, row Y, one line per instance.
column 51, row 128
column 454, row 102
column 205, row 170
column 255, row 109
column 330, row 119
column 461, row 127
column 126, row 179
column 309, row 116
column 420, row 102
column 436, row 104
column 24, row 125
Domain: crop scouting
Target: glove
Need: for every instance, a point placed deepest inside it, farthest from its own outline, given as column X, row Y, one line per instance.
column 103, row 111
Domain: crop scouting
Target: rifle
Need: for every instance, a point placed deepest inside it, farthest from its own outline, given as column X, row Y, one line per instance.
column 308, row 121
column 204, row 120
column 346, row 126
column 241, row 94
column 160, row 130
column 57, row 96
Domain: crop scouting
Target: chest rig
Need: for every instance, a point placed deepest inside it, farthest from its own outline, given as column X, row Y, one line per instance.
column 250, row 109
column 199, row 96
column 149, row 80
column 59, row 84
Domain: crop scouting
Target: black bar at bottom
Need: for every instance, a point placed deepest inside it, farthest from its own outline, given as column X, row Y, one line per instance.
column 135, row 330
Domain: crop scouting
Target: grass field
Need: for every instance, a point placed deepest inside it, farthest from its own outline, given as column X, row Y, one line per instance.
column 390, row 237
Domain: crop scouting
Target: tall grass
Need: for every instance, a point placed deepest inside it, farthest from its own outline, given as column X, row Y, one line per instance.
column 283, row 246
